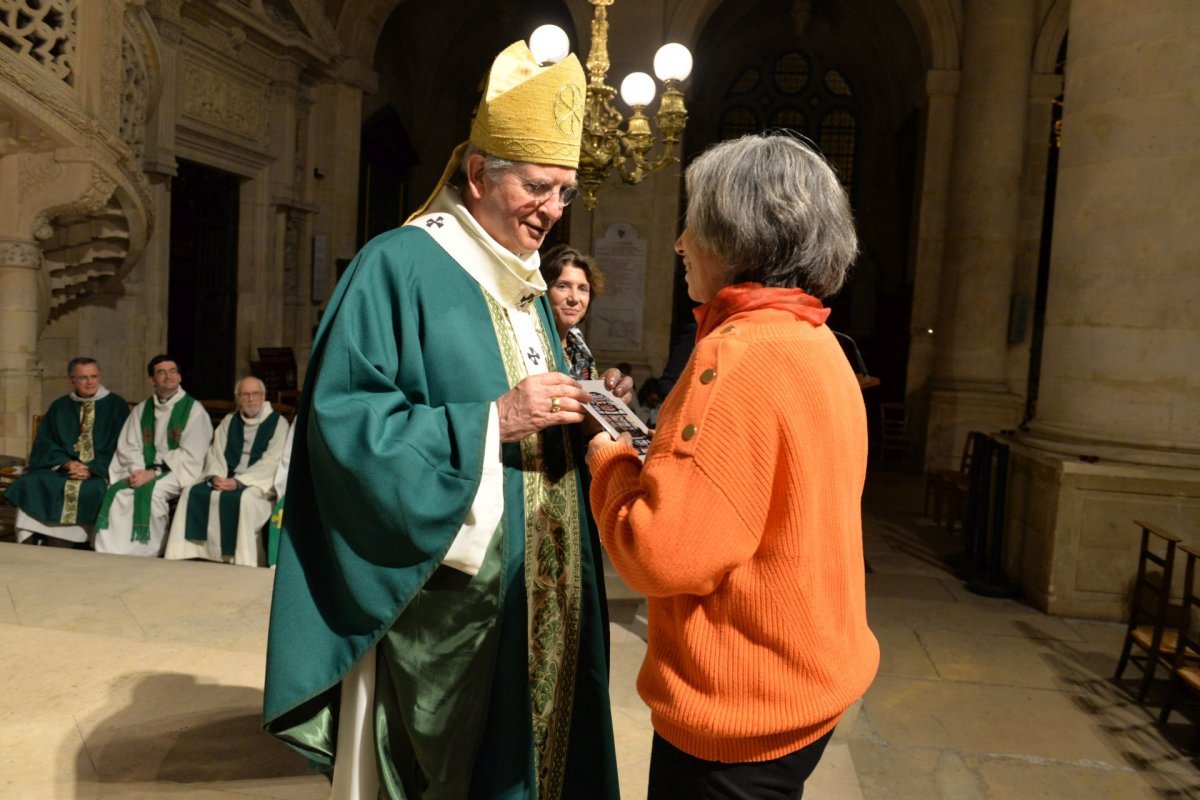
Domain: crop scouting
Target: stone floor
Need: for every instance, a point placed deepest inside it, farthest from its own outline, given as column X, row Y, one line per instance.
column 138, row 679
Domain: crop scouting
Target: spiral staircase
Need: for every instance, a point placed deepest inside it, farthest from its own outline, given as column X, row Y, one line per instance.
column 76, row 80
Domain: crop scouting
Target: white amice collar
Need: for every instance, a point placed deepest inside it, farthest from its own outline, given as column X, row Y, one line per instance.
column 170, row 401
column 513, row 281
column 100, row 394
column 263, row 413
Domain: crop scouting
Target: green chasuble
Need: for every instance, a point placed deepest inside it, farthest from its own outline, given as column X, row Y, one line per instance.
column 229, row 503
column 385, row 463
column 46, row 493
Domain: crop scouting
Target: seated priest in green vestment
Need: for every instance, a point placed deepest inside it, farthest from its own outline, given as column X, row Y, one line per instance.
column 221, row 516
column 58, row 498
column 160, row 450
column 438, row 628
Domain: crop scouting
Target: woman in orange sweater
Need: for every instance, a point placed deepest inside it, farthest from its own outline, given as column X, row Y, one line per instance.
column 743, row 527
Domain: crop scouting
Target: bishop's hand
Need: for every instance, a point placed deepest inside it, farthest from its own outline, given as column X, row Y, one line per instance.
column 538, row 402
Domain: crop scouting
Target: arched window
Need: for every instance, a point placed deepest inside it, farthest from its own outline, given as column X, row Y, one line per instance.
column 794, row 91
column 791, row 73
column 738, row 121
column 836, row 83
column 746, row 81
column 836, row 140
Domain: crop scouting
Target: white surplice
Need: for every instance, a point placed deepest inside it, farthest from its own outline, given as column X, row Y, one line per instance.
column 183, row 463
column 255, row 503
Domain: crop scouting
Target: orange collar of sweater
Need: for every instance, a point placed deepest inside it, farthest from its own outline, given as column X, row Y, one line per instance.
column 743, row 297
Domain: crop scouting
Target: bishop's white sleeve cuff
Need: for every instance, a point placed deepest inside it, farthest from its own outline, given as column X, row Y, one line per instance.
column 470, row 544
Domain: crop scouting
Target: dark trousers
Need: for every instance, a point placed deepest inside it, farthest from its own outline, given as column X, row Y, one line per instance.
column 675, row 775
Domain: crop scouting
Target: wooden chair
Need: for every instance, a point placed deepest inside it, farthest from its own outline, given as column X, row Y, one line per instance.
column 1185, row 659
column 13, row 467
column 946, row 490
column 217, row 409
column 288, row 412
column 1149, row 626
column 289, row 397
column 894, row 435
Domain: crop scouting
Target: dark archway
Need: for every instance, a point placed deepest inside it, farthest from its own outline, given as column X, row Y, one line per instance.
column 433, row 88
column 1037, row 339
column 386, row 159
column 848, row 75
column 202, row 289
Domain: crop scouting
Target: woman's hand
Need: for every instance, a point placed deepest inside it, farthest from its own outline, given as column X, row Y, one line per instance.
column 602, row 440
column 620, row 385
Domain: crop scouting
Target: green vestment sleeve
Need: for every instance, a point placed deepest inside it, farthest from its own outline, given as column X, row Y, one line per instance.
column 385, row 464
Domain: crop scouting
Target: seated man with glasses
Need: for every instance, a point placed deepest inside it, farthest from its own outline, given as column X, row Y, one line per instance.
column 438, row 625
column 160, row 450
column 221, row 516
column 59, row 497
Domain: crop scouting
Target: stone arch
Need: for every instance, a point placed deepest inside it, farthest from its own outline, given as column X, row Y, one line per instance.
column 689, row 19
column 359, row 25
column 1050, row 37
column 937, row 24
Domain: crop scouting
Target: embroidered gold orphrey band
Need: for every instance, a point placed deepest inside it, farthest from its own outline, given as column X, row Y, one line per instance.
column 553, row 580
column 86, row 449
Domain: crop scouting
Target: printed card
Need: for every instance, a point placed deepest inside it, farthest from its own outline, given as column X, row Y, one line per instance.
column 616, row 417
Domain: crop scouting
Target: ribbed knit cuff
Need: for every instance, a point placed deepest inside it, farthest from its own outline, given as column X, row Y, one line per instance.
column 607, row 474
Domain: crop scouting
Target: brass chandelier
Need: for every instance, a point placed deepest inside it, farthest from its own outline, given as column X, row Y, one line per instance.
column 606, row 147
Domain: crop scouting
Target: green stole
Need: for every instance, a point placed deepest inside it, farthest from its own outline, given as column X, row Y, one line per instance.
column 442, row 649
column 553, row 575
column 553, row 528
column 87, row 452
column 274, row 529
column 143, row 494
column 229, row 502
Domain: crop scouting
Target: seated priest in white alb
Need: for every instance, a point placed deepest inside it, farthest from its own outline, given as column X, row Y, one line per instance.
column 160, row 450
column 221, row 516
column 58, row 499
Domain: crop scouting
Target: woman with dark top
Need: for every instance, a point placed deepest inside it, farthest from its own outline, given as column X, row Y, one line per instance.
column 572, row 280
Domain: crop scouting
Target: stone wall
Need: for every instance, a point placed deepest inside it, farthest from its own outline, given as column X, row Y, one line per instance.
column 1071, row 533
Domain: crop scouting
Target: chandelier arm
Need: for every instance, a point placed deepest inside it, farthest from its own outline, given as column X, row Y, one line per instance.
column 637, row 150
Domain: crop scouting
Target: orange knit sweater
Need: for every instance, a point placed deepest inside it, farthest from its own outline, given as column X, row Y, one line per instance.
column 743, row 529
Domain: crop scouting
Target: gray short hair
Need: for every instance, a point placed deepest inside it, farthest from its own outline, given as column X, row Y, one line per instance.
column 238, row 384
column 771, row 207
column 493, row 167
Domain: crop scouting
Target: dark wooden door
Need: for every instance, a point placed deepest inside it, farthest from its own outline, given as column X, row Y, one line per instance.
column 202, row 293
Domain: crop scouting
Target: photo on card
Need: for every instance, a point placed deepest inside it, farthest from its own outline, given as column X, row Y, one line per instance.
column 616, row 417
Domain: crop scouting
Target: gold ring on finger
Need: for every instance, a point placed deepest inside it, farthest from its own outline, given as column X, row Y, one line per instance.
column 555, row 405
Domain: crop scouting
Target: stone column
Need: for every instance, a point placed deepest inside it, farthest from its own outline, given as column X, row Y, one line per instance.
column 941, row 87
column 21, row 314
column 1116, row 437
column 1122, row 360
column 334, row 125
column 970, row 371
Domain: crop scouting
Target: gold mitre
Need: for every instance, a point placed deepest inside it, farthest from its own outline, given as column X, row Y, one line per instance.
column 527, row 113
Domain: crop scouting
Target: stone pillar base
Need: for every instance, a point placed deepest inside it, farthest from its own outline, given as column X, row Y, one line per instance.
column 953, row 413
column 1070, row 539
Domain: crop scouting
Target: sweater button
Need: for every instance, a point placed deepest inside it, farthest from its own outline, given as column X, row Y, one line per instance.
column 708, row 376
column 688, row 432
